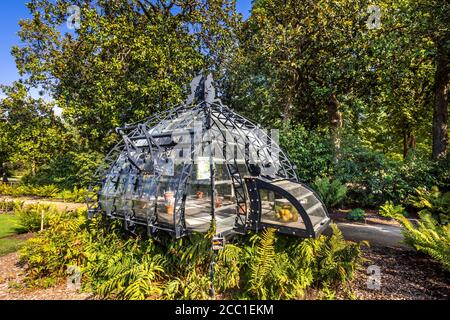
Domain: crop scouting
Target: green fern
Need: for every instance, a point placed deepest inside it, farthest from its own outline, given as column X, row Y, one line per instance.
column 262, row 263
column 131, row 278
column 433, row 202
column 429, row 237
column 331, row 192
column 389, row 210
column 227, row 268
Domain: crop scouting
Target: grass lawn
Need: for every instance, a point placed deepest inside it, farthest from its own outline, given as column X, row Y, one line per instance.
column 9, row 227
column 8, row 245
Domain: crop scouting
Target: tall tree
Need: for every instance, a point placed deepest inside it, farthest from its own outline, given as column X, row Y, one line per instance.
column 303, row 61
column 415, row 40
column 128, row 59
column 31, row 134
column 441, row 92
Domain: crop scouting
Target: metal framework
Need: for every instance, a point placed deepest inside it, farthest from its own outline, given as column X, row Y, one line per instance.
column 199, row 163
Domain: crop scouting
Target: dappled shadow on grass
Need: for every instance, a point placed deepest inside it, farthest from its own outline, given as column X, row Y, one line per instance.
column 14, row 242
column 10, row 244
column 12, row 234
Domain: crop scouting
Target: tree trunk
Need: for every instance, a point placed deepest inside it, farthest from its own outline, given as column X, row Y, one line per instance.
column 409, row 142
column 335, row 122
column 440, row 114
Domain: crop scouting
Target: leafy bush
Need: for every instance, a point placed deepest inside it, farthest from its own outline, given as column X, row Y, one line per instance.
column 367, row 175
column 431, row 234
column 75, row 195
column 310, row 151
column 60, row 245
column 373, row 179
column 73, row 169
column 29, row 190
column 280, row 269
column 128, row 274
column 6, row 189
column 46, row 191
column 49, row 191
column 331, row 192
column 356, row 214
column 433, row 202
column 389, row 210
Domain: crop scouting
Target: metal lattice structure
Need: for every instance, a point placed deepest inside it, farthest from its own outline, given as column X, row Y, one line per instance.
column 200, row 163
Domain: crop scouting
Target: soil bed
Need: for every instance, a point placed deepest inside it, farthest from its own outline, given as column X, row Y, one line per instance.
column 405, row 275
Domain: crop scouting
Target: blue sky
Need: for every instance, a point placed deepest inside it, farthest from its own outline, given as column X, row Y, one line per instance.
column 11, row 11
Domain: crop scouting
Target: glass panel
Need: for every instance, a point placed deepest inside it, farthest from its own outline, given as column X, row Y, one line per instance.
column 107, row 193
column 275, row 209
column 122, row 202
column 166, row 195
column 198, row 206
column 307, row 199
column 145, row 196
column 225, row 204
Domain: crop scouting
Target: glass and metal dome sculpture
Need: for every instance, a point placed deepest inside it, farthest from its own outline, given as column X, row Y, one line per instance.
column 200, row 163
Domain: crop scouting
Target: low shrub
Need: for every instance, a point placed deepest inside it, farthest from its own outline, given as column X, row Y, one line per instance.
column 10, row 205
column 372, row 178
column 367, row 174
column 356, row 214
column 30, row 216
column 389, row 210
column 331, row 192
column 29, row 190
column 46, row 191
column 75, row 195
column 309, row 150
column 58, row 246
column 433, row 202
column 431, row 233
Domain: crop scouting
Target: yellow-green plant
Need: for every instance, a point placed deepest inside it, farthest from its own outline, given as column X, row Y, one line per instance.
column 130, row 277
column 428, row 236
column 31, row 216
column 60, row 245
column 261, row 265
column 10, row 205
column 434, row 202
column 389, row 210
